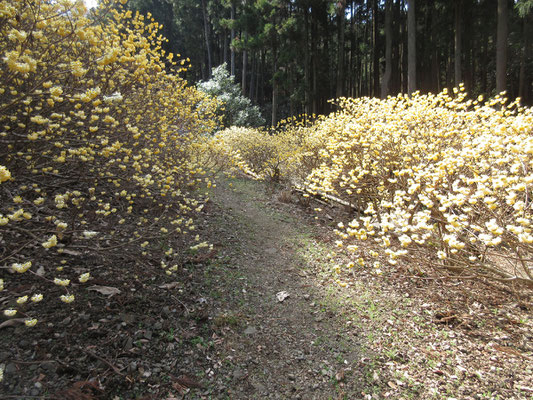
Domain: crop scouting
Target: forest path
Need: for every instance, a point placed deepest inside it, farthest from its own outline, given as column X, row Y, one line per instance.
column 297, row 348
column 385, row 333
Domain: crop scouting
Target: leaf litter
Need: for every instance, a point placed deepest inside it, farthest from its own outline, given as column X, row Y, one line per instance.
column 397, row 335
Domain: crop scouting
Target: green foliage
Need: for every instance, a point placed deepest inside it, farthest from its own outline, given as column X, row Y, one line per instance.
column 236, row 110
column 524, row 7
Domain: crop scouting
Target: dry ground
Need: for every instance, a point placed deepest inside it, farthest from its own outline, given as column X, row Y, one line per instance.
column 218, row 331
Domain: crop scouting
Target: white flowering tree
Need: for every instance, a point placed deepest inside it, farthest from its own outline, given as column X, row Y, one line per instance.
column 235, row 110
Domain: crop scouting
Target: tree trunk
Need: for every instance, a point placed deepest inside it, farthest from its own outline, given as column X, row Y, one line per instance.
column 524, row 80
column 385, row 84
column 468, row 45
column 253, row 76
column 226, row 45
column 458, row 41
column 411, row 47
column 314, row 57
column 232, row 67
column 501, row 47
column 340, row 53
column 375, row 50
column 307, row 60
column 274, row 98
column 244, row 65
column 207, row 44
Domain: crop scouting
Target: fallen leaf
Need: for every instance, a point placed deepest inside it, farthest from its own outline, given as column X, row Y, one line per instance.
column 71, row 252
column 282, row 295
column 339, row 376
column 189, row 382
column 510, row 350
column 170, row 285
column 105, row 290
column 181, row 389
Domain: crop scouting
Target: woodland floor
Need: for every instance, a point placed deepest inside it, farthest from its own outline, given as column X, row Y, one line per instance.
column 218, row 331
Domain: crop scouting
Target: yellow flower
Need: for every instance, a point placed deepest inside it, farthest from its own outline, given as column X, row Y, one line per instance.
column 5, row 175
column 84, row 277
column 51, row 242
column 67, row 298
column 21, row 268
column 61, row 282
column 37, row 297
column 30, row 322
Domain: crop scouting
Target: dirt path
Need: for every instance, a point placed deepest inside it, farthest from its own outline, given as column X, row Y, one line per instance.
column 387, row 334
column 295, row 348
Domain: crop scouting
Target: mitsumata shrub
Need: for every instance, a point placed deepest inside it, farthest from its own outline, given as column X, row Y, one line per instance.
column 437, row 179
column 97, row 147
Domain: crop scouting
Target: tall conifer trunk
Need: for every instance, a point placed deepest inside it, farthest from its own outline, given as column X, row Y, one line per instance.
column 411, row 47
column 458, row 42
column 385, row 84
column 501, row 47
column 232, row 67
column 340, row 52
column 375, row 50
column 207, row 42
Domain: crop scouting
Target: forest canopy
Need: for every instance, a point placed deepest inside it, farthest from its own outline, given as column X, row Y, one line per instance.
column 292, row 56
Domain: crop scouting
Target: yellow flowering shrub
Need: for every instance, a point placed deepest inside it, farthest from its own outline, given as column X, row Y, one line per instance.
column 98, row 137
column 286, row 154
column 436, row 178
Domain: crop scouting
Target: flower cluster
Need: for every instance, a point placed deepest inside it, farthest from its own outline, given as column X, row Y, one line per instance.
column 434, row 178
column 438, row 175
column 287, row 153
column 97, row 131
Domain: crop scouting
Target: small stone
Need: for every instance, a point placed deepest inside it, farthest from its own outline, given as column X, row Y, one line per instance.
column 148, row 334
column 38, row 385
column 49, row 366
column 306, row 296
column 158, row 326
column 250, row 330
column 127, row 318
column 291, row 377
column 132, row 367
column 129, row 344
column 238, row 373
column 11, row 368
column 156, row 370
